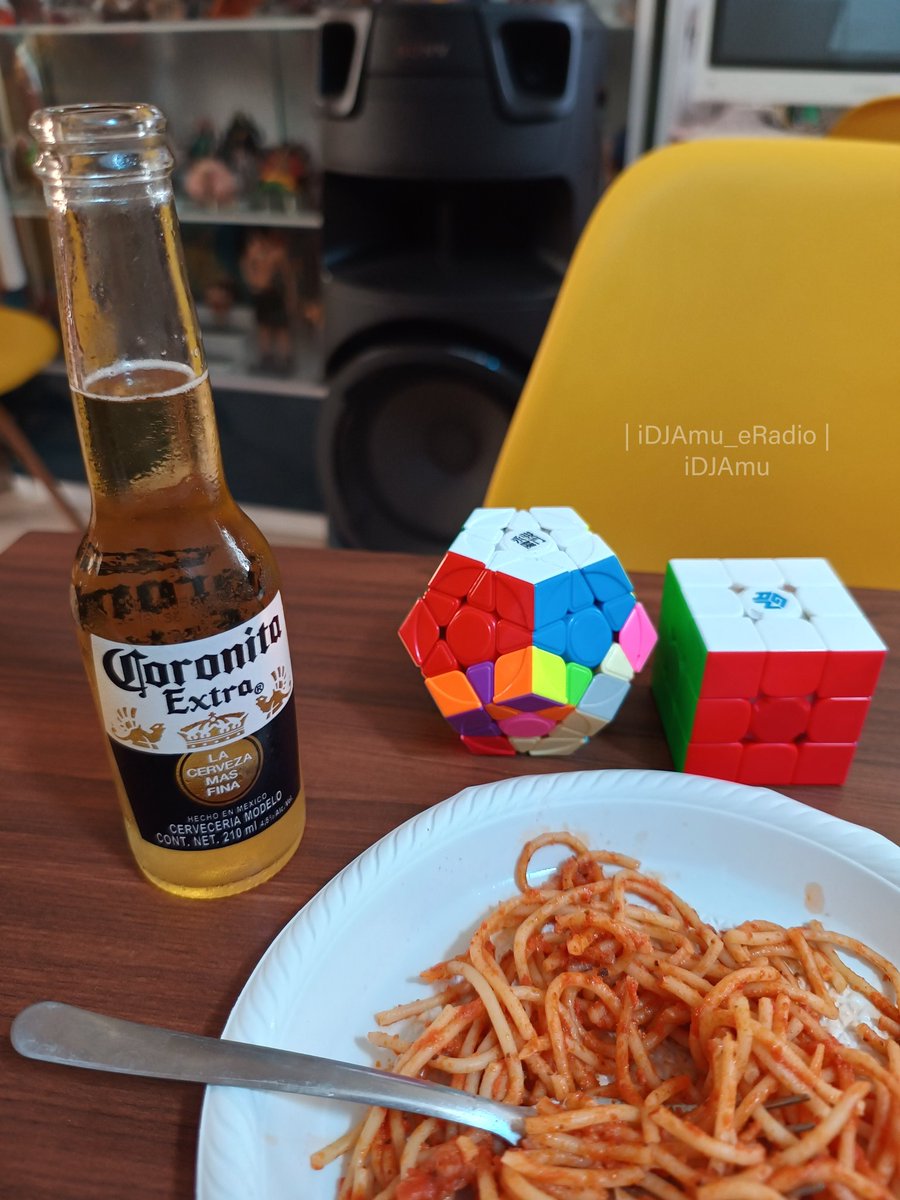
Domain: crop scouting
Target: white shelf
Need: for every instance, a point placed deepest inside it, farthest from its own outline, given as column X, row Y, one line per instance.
column 201, row 25
column 195, row 214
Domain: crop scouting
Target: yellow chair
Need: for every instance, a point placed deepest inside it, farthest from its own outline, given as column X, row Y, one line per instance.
column 720, row 375
column 27, row 345
column 875, row 121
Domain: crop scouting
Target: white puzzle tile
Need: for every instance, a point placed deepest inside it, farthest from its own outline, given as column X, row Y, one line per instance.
column 786, row 636
column 722, row 634
column 847, row 633
column 808, row 572
column 700, row 572
column 712, row 601
column 754, row 572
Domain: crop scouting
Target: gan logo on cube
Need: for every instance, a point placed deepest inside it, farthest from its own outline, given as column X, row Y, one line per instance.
column 529, row 632
column 765, row 669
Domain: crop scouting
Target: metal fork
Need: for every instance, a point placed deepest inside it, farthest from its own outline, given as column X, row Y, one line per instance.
column 76, row 1037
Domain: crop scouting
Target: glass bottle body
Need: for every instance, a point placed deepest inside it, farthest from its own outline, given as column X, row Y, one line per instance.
column 175, row 592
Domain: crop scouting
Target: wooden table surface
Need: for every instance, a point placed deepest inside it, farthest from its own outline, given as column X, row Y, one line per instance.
column 80, row 924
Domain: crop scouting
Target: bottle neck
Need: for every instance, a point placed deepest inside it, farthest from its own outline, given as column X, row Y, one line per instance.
column 133, row 351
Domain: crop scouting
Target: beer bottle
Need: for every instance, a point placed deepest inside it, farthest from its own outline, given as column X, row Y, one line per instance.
column 175, row 591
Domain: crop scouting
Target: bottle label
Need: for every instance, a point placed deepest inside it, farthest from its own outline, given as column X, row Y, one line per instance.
column 203, row 732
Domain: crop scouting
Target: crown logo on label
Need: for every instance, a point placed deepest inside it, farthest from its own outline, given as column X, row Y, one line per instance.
column 213, row 730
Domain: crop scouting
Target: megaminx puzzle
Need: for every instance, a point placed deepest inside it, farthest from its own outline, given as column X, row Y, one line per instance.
column 529, row 632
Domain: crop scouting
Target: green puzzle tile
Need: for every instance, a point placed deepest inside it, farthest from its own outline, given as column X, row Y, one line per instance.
column 678, row 668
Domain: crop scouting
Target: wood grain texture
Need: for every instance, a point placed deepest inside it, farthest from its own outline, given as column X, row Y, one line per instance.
column 80, row 924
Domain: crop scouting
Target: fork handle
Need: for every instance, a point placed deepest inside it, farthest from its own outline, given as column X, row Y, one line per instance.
column 76, row 1037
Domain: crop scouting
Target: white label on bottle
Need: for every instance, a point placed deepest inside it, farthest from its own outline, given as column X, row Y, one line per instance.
column 190, row 695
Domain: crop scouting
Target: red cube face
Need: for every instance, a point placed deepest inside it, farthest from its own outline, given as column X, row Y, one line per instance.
column 765, row 670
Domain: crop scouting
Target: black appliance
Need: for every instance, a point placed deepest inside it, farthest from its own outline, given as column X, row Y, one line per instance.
column 460, row 161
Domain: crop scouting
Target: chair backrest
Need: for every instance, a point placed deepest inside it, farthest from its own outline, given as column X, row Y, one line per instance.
column 876, row 120
column 27, row 344
column 720, row 375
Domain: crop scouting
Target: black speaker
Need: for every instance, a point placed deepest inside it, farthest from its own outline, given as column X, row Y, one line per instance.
column 460, row 162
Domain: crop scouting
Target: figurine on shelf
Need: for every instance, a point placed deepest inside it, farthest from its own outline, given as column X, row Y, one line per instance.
column 210, row 183
column 203, row 143
column 219, row 297
column 283, row 176
column 233, row 8
column 241, row 151
column 270, row 279
column 122, row 10
column 167, row 10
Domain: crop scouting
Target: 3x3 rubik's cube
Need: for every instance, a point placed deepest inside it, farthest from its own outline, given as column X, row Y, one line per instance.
column 765, row 669
column 529, row 632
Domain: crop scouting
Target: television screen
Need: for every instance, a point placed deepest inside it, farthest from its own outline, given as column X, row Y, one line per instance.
column 815, row 35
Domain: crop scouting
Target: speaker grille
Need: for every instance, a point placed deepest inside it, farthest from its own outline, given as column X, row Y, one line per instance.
column 408, row 441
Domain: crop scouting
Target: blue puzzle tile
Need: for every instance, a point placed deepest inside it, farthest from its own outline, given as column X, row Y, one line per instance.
column 552, row 637
column 607, row 579
column 551, row 599
column 618, row 610
column 582, row 595
column 589, row 637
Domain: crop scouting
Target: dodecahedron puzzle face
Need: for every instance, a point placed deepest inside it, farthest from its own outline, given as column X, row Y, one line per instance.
column 765, row 669
column 529, row 633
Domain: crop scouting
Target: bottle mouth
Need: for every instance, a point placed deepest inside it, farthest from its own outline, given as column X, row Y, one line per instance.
column 100, row 141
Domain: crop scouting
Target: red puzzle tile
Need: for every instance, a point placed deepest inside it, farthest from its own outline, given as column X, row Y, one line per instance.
column 768, row 762
column 838, row 719
column 440, row 605
column 851, row 673
column 780, row 718
column 515, row 599
column 724, row 720
column 455, row 574
column 792, row 672
column 439, row 661
column 419, row 632
column 471, row 635
column 483, row 592
column 488, row 745
column 721, row 760
column 511, row 636
column 732, row 673
column 823, row 763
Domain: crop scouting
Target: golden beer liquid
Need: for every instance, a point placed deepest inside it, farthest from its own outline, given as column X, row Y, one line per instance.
column 158, row 428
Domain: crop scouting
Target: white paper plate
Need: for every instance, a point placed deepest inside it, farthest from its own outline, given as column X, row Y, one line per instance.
column 733, row 852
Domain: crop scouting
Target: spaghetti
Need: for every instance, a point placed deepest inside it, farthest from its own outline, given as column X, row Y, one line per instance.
column 654, row 1050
